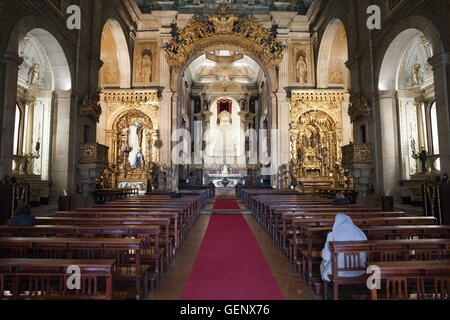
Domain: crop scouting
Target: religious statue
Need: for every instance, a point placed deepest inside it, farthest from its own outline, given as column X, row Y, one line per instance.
column 136, row 157
column 305, row 141
column 145, row 73
column 415, row 70
column 300, row 155
column 33, row 73
column 302, row 70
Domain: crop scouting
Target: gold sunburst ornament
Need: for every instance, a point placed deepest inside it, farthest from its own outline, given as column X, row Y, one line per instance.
column 225, row 29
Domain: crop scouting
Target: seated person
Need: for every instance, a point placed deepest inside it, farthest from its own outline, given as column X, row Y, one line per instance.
column 340, row 200
column 343, row 230
column 22, row 217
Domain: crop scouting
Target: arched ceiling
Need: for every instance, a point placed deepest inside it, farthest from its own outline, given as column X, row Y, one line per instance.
column 245, row 71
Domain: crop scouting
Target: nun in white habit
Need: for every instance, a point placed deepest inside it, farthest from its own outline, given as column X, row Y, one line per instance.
column 343, row 230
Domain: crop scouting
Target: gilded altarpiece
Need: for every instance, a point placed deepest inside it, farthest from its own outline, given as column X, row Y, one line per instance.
column 132, row 136
column 316, row 130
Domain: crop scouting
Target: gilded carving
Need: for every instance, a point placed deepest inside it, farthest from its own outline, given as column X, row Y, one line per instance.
column 356, row 154
column 359, row 108
column 119, row 101
column 226, row 29
column 315, row 134
column 91, row 106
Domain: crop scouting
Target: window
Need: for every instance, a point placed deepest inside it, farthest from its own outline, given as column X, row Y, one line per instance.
column 16, row 130
column 425, row 125
column 435, row 133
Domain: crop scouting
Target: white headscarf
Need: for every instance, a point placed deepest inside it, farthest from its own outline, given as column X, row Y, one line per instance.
column 345, row 230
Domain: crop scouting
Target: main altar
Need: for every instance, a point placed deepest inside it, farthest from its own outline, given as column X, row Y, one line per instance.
column 225, row 178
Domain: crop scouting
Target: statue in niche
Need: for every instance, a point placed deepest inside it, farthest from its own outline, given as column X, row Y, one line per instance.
column 415, row 71
column 305, row 141
column 302, row 69
column 33, row 73
column 145, row 72
column 314, row 139
column 136, row 158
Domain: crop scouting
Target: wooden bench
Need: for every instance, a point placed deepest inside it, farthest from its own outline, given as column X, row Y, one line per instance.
column 121, row 217
column 311, row 240
column 151, row 253
column 283, row 226
column 126, row 252
column 380, row 251
column 399, row 275
column 47, row 279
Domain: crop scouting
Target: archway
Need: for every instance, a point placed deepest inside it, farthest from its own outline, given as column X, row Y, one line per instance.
column 43, row 90
column 116, row 69
column 333, row 55
column 406, row 95
column 224, row 31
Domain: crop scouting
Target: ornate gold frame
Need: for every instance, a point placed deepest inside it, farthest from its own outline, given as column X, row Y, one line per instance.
column 226, row 29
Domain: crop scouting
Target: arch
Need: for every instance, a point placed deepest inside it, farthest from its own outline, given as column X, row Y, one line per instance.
column 392, row 59
column 123, row 55
column 325, row 51
column 54, row 47
column 396, row 43
column 269, row 72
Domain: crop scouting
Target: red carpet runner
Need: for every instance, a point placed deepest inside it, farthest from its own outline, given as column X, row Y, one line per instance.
column 226, row 206
column 230, row 265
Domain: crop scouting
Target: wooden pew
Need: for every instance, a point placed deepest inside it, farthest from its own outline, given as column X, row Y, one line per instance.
column 311, row 240
column 282, row 224
column 126, row 252
column 139, row 212
column 292, row 223
column 122, row 217
column 47, row 279
column 151, row 253
column 381, row 251
column 399, row 275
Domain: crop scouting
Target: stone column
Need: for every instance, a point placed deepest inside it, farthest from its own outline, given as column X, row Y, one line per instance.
column 155, row 149
column 165, row 110
column 388, row 159
column 61, row 142
column 441, row 72
column 29, row 129
column 243, row 130
column 10, row 63
column 420, row 125
column 283, row 150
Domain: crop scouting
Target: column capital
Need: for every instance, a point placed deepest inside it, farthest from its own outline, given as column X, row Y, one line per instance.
column 62, row 94
column 386, row 94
